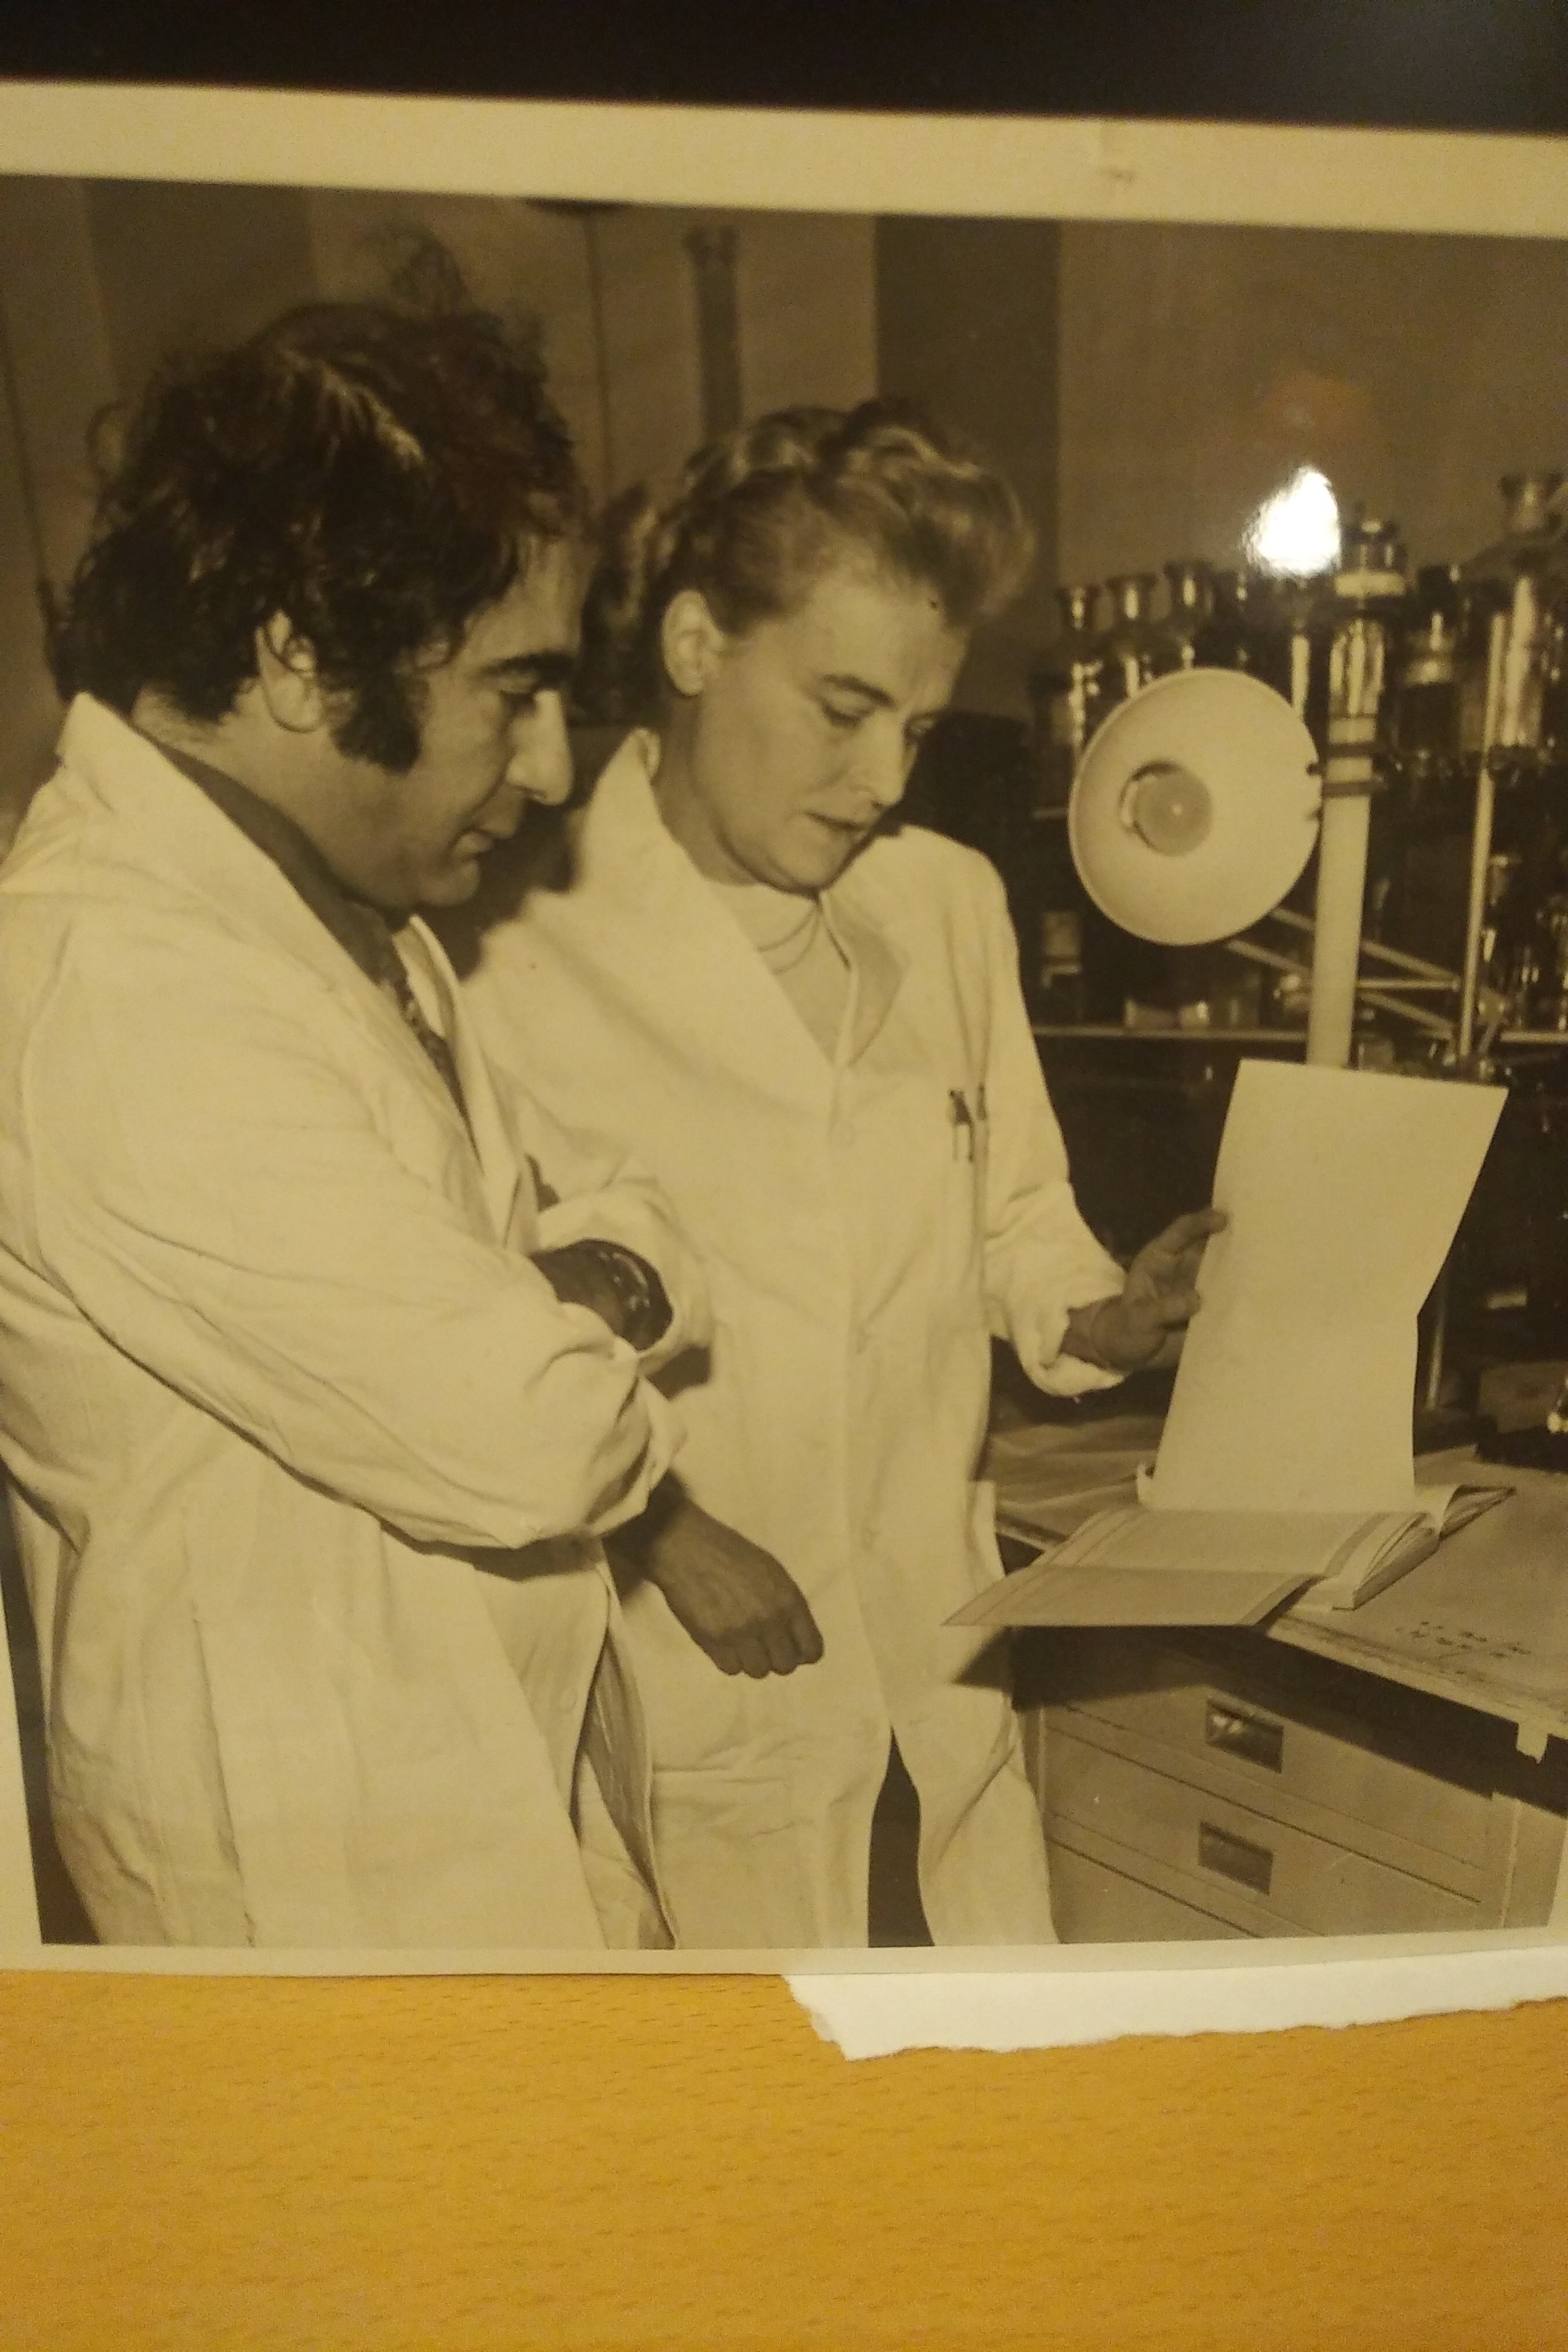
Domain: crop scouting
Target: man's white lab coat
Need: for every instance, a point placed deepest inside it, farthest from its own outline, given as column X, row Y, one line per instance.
column 866, row 1226
column 296, row 1433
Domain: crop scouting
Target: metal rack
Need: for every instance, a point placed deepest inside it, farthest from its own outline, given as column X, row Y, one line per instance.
column 1352, row 652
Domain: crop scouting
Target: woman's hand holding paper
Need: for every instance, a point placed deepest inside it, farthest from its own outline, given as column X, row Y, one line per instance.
column 1142, row 1327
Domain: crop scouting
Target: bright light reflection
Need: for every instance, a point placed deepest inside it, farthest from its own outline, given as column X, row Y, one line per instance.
column 1296, row 531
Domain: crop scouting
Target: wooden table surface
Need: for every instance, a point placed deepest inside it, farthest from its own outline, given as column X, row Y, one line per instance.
column 425, row 2166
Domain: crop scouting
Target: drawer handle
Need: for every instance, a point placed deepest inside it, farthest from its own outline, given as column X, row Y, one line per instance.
column 1237, row 1733
column 1235, row 1857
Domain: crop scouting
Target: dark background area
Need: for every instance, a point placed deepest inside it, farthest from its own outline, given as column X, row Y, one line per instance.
column 1481, row 65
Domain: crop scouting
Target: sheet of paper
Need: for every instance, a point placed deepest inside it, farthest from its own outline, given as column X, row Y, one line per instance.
column 1345, row 1189
column 1089, row 1994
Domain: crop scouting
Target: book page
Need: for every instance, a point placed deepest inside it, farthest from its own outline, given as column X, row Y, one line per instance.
column 1046, row 1594
column 1345, row 1189
column 1298, row 1544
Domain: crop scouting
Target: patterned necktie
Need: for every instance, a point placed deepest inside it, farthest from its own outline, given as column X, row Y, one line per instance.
column 434, row 1044
column 388, row 968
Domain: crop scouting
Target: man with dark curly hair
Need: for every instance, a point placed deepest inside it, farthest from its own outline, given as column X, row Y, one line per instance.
column 321, row 1349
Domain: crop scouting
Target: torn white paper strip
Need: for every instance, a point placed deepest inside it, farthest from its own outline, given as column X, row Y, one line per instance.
column 1345, row 1189
column 1085, row 2000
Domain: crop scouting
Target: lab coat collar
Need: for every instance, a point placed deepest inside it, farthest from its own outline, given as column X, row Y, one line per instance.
column 877, row 965
column 177, row 835
column 626, row 846
column 174, row 831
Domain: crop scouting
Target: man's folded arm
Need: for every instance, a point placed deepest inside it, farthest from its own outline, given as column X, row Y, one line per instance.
column 211, row 1189
column 595, row 1192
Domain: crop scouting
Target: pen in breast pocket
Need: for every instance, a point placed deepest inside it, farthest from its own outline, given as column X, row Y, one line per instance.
column 962, row 1125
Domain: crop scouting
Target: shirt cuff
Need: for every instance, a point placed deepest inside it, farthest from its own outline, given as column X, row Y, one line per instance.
column 666, row 1435
column 1037, row 1341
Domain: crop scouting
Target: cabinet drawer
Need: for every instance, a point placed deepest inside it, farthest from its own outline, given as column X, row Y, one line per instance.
column 1267, row 1873
column 1093, row 1904
column 1253, row 1734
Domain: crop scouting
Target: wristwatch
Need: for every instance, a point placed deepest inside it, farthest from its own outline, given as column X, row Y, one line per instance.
column 644, row 1303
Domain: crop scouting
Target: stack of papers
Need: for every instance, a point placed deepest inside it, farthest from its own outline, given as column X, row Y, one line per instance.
column 1286, row 1457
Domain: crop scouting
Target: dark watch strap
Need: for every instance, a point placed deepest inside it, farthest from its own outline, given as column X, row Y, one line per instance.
column 639, row 1289
column 645, row 1309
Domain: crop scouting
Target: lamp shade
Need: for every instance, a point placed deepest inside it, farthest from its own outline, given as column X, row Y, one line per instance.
column 1195, row 807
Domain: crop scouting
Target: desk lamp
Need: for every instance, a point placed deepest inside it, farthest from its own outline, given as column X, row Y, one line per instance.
column 1194, row 812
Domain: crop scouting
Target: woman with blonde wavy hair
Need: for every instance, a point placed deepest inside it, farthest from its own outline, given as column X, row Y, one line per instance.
column 805, row 1020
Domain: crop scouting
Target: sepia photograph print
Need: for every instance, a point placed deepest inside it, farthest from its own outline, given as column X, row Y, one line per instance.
column 784, row 1067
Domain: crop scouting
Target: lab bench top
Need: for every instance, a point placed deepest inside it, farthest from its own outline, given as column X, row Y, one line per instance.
column 1482, row 1620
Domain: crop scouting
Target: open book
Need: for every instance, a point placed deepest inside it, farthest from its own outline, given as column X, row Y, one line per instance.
column 1125, row 1564
column 1285, row 1460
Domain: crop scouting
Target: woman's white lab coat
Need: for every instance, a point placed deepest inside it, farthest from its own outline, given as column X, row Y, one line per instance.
column 866, row 1226
column 295, row 1430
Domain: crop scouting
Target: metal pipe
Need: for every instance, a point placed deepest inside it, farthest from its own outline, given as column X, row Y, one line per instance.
column 1396, row 955
column 1476, row 908
column 1253, row 953
column 1481, row 839
column 1434, row 1023
column 1336, row 940
column 1392, row 987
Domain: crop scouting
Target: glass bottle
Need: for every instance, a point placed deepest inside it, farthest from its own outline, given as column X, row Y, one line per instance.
column 1370, row 592
column 1517, row 578
column 1064, row 687
column 1520, row 707
column 1132, row 648
column 1305, row 632
column 1531, row 527
column 1246, row 628
column 1508, row 961
column 1554, row 682
column 1368, row 589
column 1222, row 642
column 1427, row 725
column 1190, row 591
column 1551, row 1010
column 1285, row 634
column 1060, row 996
column 1484, row 603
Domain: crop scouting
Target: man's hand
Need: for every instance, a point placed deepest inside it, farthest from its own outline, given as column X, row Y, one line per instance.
column 1141, row 1326
column 734, row 1600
